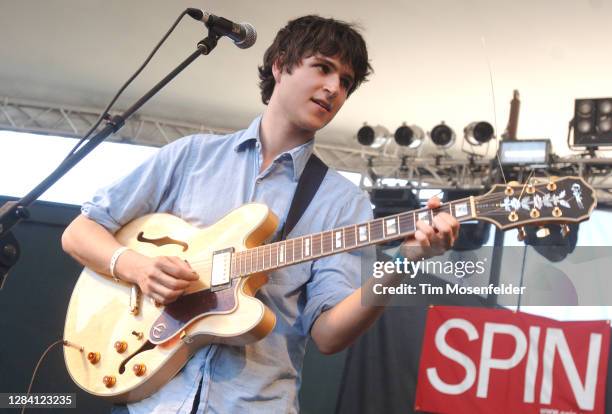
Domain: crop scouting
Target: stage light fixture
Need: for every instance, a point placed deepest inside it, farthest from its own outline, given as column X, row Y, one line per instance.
column 410, row 136
column 477, row 133
column 442, row 135
column 593, row 122
column 365, row 135
column 373, row 136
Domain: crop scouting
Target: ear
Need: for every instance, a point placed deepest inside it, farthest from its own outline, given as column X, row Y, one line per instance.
column 276, row 70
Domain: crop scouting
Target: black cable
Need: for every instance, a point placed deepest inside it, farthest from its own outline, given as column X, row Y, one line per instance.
column 105, row 112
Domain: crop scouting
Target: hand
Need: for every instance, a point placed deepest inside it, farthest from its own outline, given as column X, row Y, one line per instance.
column 429, row 241
column 164, row 278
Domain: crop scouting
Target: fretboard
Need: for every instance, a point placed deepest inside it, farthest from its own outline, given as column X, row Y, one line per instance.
column 313, row 246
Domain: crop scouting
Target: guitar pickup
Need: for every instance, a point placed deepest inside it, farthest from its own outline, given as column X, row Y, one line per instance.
column 221, row 271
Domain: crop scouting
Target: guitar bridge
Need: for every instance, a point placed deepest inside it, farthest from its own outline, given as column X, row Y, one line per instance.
column 220, row 277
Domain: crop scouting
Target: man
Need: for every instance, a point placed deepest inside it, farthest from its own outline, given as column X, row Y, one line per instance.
column 309, row 71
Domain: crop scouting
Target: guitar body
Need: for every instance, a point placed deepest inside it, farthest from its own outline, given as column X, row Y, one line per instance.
column 101, row 320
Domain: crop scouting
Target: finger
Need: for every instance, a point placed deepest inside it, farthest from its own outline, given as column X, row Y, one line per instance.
column 422, row 239
column 433, row 202
column 175, row 268
column 445, row 231
column 164, row 295
column 426, row 229
column 169, row 281
column 186, row 270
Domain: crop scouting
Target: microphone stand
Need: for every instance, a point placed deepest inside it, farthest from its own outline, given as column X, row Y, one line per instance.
column 13, row 212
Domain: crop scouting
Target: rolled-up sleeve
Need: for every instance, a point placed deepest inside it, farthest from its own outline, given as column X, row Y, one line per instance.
column 335, row 277
column 148, row 188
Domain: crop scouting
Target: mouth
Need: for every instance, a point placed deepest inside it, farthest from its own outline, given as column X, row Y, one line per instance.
column 323, row 104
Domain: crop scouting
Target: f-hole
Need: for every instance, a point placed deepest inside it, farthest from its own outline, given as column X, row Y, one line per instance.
column 162, row 241
column 145, row 347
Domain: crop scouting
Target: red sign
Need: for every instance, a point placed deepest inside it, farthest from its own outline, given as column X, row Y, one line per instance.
column 477, row 360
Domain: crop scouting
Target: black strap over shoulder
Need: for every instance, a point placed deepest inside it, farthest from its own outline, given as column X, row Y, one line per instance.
column 307, row 187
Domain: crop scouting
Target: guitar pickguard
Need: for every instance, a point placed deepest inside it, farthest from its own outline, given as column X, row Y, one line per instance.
column 177, row 315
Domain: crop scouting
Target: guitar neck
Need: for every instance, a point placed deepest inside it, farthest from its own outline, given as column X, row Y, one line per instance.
column 343, row 239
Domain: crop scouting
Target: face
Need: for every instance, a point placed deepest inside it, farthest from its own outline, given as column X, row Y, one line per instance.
column 314, row 91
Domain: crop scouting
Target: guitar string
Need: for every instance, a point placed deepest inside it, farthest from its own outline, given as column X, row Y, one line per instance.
column 480, row 200
column 499, row 211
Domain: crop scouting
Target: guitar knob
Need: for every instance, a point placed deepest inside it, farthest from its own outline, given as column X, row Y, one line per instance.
column 522, row 234
column 513, row 216
column 139, row 369
column 557, row 212
column 109, row 381
column 542, row 232
column 565, row 230
column 509, row 190
column 93, row 357
column 534, row 213
column 551, row 186
column 121, row 346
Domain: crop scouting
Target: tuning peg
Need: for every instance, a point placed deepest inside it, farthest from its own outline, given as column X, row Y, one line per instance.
column 565, row 230
column 551, row 186
column 530, row 188
column 522, row 234
column 542, row 232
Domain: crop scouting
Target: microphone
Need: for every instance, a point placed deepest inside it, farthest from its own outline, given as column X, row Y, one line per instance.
column 243, row 34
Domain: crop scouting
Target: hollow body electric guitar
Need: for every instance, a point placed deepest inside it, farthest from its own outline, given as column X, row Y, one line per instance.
column 125, row 348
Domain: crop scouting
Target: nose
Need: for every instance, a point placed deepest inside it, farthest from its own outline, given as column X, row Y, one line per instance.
column 332, row 85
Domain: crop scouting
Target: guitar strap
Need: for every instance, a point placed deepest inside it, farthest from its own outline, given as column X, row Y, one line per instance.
column 307, row 187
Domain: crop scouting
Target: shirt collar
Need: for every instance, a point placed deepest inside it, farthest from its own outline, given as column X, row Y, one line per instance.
column 299, row 155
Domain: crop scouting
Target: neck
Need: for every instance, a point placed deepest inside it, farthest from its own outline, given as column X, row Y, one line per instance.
column 278, row 134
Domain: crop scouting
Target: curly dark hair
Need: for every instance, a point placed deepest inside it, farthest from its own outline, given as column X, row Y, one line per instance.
column 309, row 35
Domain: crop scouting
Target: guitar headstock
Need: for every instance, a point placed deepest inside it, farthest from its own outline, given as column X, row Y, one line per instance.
column 556, row 200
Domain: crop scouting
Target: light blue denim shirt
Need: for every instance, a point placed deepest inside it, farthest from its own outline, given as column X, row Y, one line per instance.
column 201, row 178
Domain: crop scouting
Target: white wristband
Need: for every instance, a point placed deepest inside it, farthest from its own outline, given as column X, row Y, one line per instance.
column 114, row 259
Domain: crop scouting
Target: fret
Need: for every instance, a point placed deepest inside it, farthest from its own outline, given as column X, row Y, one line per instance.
column 306, row 242
column 237, row 263
column 327, row 242
column 281, row 252
column 274, row 255
column 289, row 251
column 405, row 223
column 448, row 208
column 252, row 254
column 338, row 240
column 316, row 244
column 297, row 249
column 461, row 209
column 362, row 231
column 321, row 243
column 349, row 237
column 423, row 216
column 266, row 256
column 390, row 226
column 376, row 230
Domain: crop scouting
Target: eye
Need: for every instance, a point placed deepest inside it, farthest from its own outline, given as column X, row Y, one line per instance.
column 322, row 67
column 346, row 83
